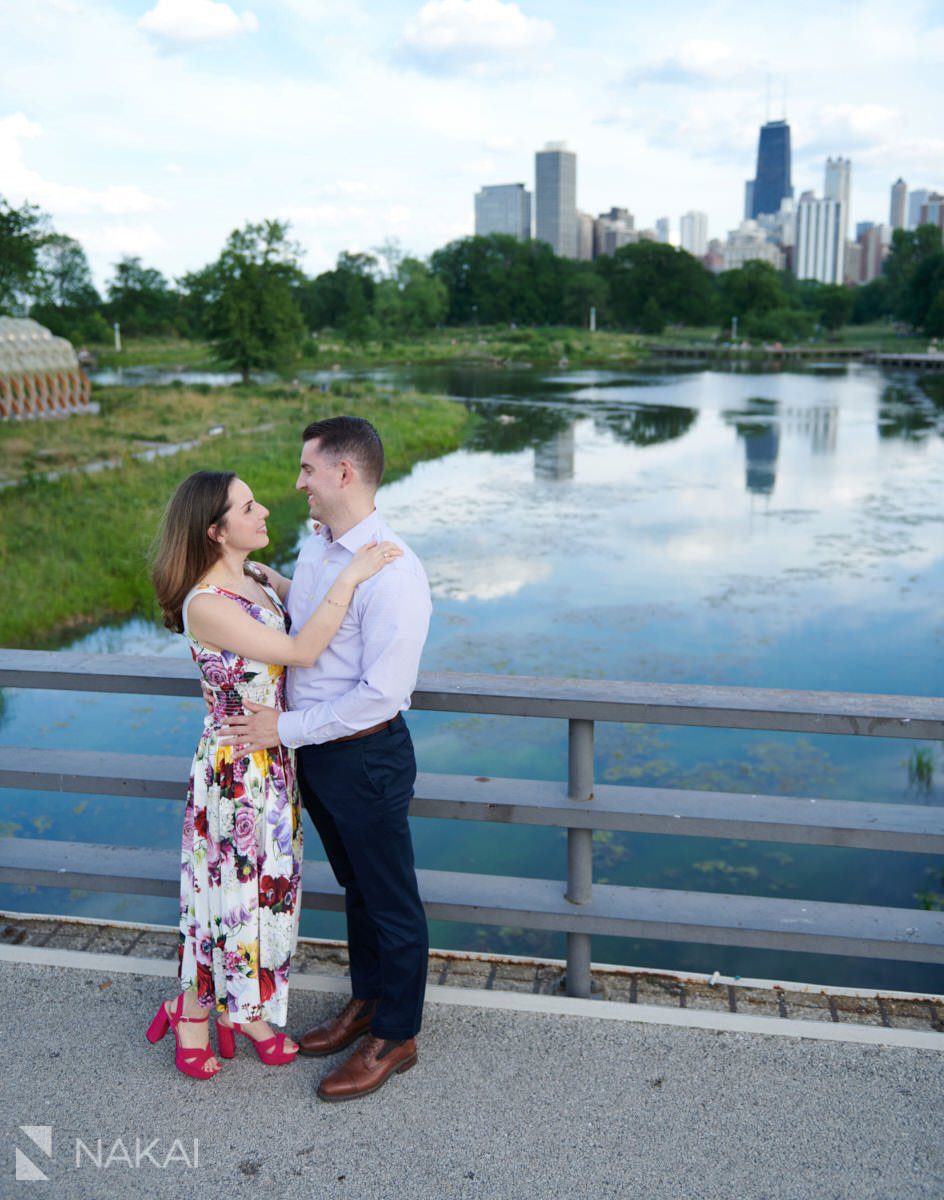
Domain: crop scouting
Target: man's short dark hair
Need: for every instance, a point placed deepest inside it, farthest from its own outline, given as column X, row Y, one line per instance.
column 353, row 438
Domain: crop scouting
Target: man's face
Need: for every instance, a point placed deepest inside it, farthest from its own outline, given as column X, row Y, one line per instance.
column 320, row 479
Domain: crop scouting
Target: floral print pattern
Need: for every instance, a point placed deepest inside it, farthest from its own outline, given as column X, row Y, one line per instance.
column 241, row 853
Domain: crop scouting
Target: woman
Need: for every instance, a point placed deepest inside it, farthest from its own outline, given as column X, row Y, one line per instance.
column 242, row 841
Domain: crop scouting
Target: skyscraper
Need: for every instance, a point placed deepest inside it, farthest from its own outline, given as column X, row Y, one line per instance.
column 838, row 186
column 693, row 233
column 915, row 199
column 771, row 183
column 820, row 239
column 899, row 205
column 663, row 229
column 555, row 179
column 505, row 208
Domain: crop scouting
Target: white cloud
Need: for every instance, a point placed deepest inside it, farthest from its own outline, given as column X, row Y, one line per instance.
column 21, row 183
column 497, row 576
column 112, row 242
column 447, row 35
column 196, row 21
column 173, row 168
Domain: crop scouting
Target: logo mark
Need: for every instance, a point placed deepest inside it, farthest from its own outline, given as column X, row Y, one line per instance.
column 41, row 1137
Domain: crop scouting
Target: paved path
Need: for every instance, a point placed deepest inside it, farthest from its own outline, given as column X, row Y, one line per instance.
column 504, row 1103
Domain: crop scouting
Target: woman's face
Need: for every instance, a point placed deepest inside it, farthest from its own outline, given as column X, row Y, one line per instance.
column 244, row 527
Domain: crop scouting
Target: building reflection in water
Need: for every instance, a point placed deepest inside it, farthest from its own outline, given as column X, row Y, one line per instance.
column 758, row 426
column 554, row 459
column 820, row 424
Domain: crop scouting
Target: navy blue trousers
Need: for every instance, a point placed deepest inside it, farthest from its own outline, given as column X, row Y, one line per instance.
column 357, row 794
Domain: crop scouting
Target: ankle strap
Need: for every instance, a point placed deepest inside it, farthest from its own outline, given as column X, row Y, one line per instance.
column 195, row 1020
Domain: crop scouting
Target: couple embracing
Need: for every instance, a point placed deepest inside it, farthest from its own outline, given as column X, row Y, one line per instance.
column 305, row 681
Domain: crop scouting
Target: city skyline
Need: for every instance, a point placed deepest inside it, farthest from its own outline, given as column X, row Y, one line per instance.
column 161, row 125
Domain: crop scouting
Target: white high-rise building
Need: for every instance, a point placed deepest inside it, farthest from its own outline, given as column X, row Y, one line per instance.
column 505, row 208
column 820, row 238
column 838, row 186
column 693, row 233
column 555, row 194
column 898, row 210
column 584, row 236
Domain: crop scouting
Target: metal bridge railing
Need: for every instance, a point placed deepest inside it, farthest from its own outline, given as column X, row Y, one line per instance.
column 578, row 907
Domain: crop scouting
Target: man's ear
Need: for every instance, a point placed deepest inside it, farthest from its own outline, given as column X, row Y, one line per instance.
column 348, row 473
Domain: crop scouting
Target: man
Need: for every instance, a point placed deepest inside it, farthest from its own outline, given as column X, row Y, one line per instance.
column 356, row 767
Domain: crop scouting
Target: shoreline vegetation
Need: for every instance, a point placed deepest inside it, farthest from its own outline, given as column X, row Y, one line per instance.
column 504, row 346
column 75, row 549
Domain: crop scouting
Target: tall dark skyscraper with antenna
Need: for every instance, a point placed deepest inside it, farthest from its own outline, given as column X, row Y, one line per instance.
column 772, row 183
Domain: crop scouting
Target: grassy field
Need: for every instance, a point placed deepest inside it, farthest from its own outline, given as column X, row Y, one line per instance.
column 74, row 551
column 543, row 347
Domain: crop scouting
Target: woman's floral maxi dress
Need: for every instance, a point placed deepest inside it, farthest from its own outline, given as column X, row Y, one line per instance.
column 240, row 873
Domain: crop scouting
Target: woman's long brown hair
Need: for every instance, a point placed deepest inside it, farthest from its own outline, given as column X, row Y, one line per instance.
column 184, row 549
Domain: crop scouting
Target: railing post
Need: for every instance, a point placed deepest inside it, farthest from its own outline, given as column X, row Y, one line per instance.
column 579, row 852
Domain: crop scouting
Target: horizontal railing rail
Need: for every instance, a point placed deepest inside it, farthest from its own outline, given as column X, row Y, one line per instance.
column 580, row 908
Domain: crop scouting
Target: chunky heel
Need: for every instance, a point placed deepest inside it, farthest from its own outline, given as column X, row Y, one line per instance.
column 226, row 1040
column 159, row 1026
column 190, row 1061
column 271, row 1050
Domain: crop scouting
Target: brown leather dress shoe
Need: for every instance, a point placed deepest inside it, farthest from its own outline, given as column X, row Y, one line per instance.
column 367, row 1069
column 340, row 1031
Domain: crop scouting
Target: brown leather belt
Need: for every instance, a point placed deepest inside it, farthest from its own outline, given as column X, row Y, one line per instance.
column 350, row 737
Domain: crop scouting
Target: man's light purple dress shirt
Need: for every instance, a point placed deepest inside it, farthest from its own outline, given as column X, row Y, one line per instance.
column 368, row 672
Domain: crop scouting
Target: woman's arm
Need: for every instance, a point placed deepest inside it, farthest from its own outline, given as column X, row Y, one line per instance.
column 279, row 583
column 218, row 622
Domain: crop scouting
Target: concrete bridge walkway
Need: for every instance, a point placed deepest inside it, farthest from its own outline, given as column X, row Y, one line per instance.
column 518, row 1094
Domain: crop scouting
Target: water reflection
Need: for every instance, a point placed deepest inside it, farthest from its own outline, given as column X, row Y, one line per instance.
column 599, row 526
column 554, row 459
column 648, row 425
column 910, row 413
column 757, row 426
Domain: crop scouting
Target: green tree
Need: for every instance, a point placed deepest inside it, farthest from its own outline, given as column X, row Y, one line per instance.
column 22, row 231
column 755, row 288
column 251, row 313
column 915, row 273
column 140, row 299
column 65, row 298
column 871, row 301
column 651, row 319
column 675, row 281
column 585, row 288
column 411, row 300
column 499, row 279
column 834, row 305
column 342, row 299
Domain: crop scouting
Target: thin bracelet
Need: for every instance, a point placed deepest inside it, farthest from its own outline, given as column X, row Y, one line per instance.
column 337, row 603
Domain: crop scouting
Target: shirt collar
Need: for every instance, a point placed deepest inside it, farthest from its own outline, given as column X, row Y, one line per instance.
column 362, row 533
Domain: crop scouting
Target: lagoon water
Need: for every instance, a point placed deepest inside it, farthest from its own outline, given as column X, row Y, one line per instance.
column 770, row 529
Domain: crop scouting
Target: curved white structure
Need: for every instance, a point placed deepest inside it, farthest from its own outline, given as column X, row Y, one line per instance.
column 39, row 373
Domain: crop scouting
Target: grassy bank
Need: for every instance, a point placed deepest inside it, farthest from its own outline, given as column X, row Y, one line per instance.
column 879, row 336
column 327, row 350
column 73, row 551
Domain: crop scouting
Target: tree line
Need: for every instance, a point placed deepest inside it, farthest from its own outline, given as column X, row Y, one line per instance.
column 256, row 305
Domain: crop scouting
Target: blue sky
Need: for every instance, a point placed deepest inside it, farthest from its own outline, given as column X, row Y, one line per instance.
column 154, row 127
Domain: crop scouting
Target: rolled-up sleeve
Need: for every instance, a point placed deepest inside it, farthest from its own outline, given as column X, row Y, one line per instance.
column 394, row 619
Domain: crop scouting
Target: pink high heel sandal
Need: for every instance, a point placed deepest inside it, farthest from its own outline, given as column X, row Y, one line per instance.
column 271, row 1050
column 189, row 1060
